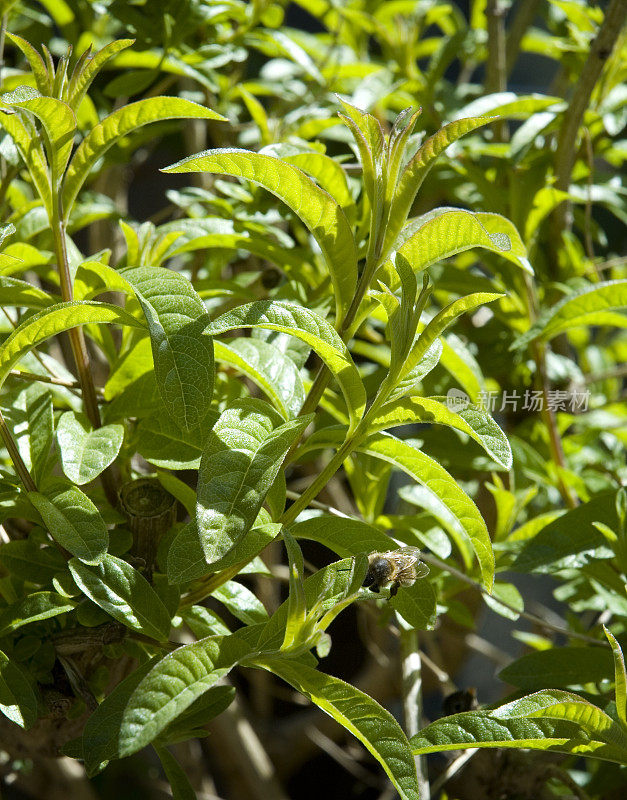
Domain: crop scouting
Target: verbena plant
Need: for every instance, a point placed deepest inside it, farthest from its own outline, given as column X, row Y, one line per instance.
column 228, row 383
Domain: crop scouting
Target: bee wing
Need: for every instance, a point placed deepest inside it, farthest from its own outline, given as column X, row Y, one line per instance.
column 408, row 554
column 421, row 570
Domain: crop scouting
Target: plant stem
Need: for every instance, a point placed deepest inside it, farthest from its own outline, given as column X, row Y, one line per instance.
column 77, row 338
column 548, row 417
column 523, row 17
column 566, row 153
column 20, row 467
column 411, row 665
column 496, row 74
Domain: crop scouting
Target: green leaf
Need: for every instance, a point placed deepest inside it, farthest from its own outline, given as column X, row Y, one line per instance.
column 311, row 329
column 375, row 727
column 123, row 593
column 445, row 232
column 191, row 722
column 85, row 453
column 40, row 73
column 182, row 354
column 59, row 124
column 186, row 558
column 416, row 604
column 17, row 698
column 37, row 428
column 416, row 171
column 119, row 123
column 30, row 562
column 272, row 370
column 241, row 602
column 437, row 480
column 620, row 677
column 102, row 730
column 441, row 322
column 296, row 603
column 343, row 535
column 178, row 780
column 569, row 541
column 242, row 456
column 16, row 292
column 54, row 320
column 173, row 684
column 72, row 520
column 593, row 305
column 474, row 421
column 81, row 78
column 33, row 608
column 318, row 210
column 553, row 720
column 560, row 667
column 31, row 149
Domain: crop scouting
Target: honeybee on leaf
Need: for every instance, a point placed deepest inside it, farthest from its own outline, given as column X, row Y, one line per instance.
column 400, row 567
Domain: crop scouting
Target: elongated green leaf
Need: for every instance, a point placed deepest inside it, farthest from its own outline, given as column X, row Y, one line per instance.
column 437, row 480
column 42, row 79
column 191, row 722
column 296, row 603
column 182, row 354
column 173, row 684
column 327, row 172
column 102, row 730
column 416, row 170
column 186, row 558
column 343, row 535
column 416, row 604
column 72, row 520
column 272, row 370
column 85, row 453
column 34, row 430
column 33, row 608
column 31, row 150
column 317, row 209
column 123, row 593
column 571, row 540
column 375, row 727
column 82, row 78
column 552, row 720
column 242, row 456
column 311, row 329
column 178, row 780
column 119, row 123
column 17, row 698
column 595, row 305
column 59, row 125
column 441, row 322
column 448, row 231
column 241, row 602
column 29, row 561
column 54, row 320
column 560, row 667
column 16, row 292
column 474, row 421
column 620, row 677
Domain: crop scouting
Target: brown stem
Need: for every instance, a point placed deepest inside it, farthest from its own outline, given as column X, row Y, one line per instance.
column 566, row 152
column 151, row 512
column 20, row 467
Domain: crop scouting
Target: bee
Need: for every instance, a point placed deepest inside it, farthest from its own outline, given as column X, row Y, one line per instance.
column 399, row 567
